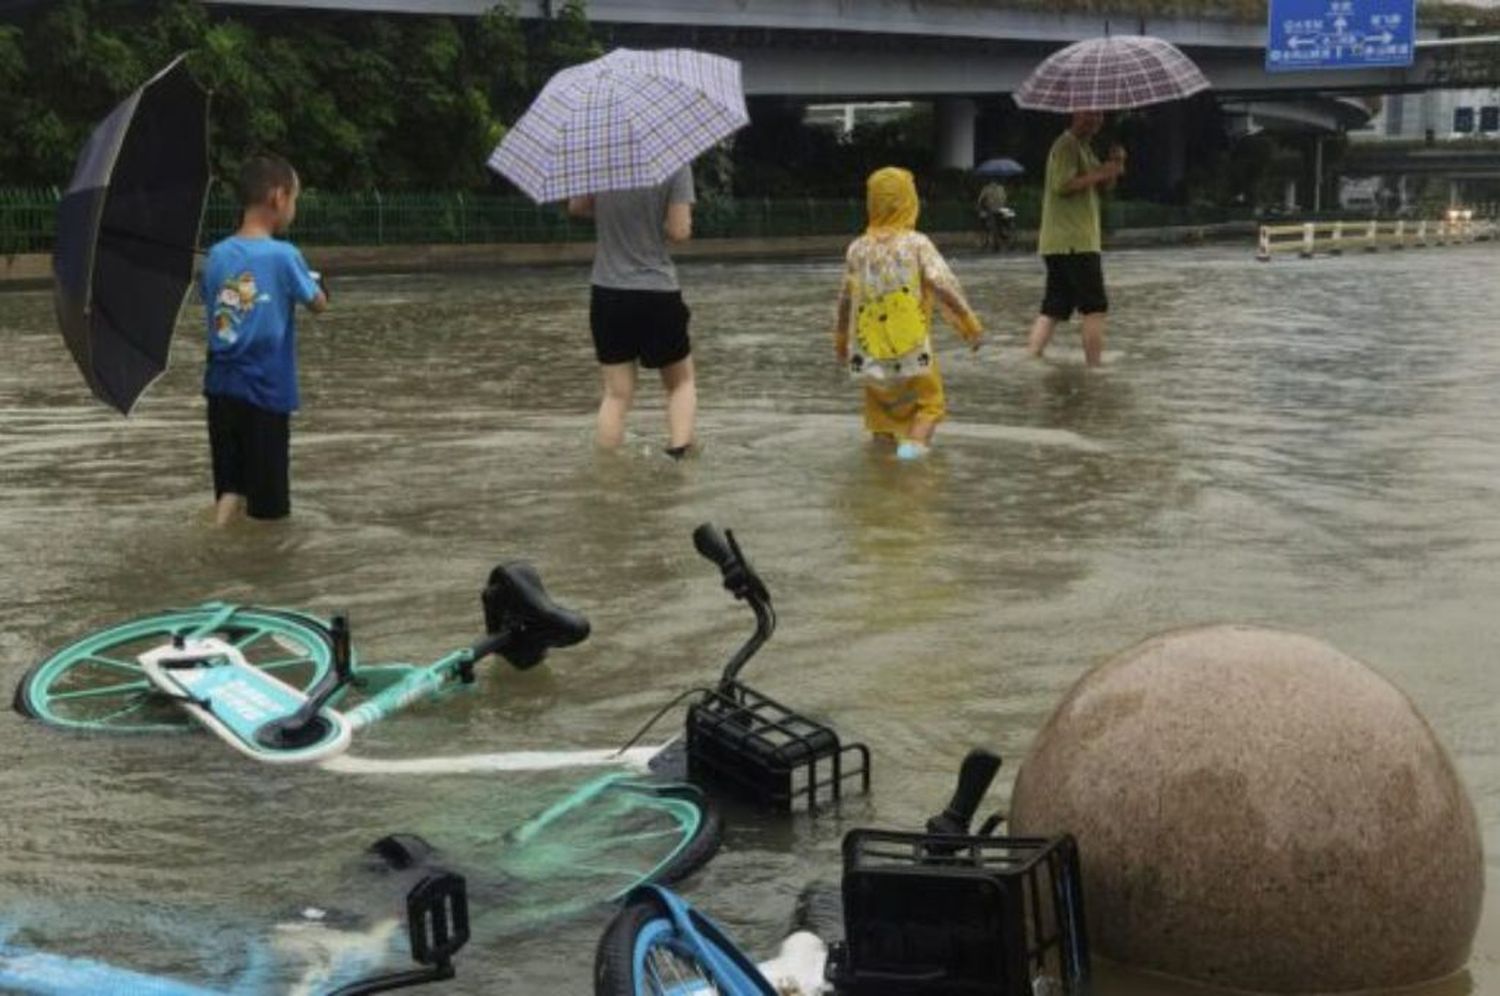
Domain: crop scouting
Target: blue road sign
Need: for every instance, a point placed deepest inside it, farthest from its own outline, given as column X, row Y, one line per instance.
column 1340, row 34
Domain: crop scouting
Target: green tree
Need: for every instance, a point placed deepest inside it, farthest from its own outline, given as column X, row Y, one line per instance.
column 567, row 40
column 355, row 100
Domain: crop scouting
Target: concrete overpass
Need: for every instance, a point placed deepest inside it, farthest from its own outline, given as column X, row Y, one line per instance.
column 949, row 51
column 897, row 48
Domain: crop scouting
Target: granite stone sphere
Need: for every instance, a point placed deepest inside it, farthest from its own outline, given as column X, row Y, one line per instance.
column 1256, row 810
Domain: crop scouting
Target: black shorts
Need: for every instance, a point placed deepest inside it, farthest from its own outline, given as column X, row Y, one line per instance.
column 252, row 455
column 1075, row 282
column 644, row 325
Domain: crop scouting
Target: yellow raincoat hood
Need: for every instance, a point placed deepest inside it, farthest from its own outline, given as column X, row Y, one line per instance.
column 891, row 201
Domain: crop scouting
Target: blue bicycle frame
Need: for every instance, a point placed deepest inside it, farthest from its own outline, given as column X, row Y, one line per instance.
column 729, row 969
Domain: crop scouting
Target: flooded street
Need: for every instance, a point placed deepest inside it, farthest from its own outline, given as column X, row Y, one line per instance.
column 1312, row 445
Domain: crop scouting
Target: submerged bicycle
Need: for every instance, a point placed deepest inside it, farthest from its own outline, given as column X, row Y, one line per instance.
column 266, row 680
column 437, row 919
column 939, row 913
column 589, row 849
column 273, row 682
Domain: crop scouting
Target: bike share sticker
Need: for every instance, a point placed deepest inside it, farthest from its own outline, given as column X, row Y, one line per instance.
column 242, row 699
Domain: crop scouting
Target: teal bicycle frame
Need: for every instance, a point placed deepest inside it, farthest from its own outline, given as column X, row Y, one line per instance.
column 420, row 682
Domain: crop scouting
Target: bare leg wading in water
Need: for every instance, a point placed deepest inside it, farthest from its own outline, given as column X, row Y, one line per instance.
column 619, row 381
column 1094, row 327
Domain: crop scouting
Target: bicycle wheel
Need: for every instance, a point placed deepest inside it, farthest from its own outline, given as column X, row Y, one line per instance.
column 641, row 954
column 703, row 830
column 96, row 683
column 601, row 841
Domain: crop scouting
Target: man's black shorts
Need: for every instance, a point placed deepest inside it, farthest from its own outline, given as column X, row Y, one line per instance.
column 1075, row 282
column 644, row 325
column 252, row 453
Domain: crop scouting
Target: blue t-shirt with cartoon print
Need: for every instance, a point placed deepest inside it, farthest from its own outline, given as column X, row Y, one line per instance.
column 251, row 289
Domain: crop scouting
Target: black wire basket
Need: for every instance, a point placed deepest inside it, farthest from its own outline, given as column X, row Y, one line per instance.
column 937, row 915
column 757, row 748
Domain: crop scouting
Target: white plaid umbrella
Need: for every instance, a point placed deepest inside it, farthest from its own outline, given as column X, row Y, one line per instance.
column 1111, row 74
column 630, row 119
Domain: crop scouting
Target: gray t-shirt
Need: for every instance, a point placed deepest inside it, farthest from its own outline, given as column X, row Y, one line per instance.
column 631, row 228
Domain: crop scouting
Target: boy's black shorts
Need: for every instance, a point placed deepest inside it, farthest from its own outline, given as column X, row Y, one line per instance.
column 252, row 455
column 644, row 325
column 1075, row 282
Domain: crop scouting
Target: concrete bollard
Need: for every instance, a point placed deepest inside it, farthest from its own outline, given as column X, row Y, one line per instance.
column 1256, row 810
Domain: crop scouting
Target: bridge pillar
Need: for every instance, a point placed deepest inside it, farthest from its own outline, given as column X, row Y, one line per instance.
column 955, row 126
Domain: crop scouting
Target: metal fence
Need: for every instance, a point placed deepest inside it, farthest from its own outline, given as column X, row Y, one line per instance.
column 26, row 220
column 27, row 217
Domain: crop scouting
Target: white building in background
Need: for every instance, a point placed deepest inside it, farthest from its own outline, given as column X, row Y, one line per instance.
column 1448, row 114
column 843, row 117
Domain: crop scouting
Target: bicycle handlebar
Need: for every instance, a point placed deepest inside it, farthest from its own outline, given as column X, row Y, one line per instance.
column 741, row 581
column 723, row 550
column 974, row 778
column 711, row 544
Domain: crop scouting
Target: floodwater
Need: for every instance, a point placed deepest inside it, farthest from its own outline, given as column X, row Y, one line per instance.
column 1312, row 445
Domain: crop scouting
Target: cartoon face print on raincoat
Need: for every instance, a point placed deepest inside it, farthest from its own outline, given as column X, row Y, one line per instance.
column 893, row 277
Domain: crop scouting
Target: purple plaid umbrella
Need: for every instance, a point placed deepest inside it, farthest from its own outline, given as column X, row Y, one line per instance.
column 1111, row 74
column 630, row 119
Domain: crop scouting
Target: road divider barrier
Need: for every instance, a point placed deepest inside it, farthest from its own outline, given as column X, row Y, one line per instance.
column 1331, row 238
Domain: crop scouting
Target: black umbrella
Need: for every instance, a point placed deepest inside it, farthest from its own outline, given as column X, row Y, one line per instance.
column 127, row 231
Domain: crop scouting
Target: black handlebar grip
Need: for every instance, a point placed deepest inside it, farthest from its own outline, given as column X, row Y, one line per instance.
column 974, row 779
column 711, row 544
column 343, row 656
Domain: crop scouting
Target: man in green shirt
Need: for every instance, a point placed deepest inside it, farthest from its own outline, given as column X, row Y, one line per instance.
column 1069, row 238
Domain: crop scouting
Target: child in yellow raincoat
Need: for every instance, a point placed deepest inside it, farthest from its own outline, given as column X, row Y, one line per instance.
column 893, row 276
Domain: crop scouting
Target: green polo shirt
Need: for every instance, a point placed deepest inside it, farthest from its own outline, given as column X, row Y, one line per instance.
column 1070, row 222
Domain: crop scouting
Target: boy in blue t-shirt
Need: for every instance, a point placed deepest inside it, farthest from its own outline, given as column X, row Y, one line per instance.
column 252, row 284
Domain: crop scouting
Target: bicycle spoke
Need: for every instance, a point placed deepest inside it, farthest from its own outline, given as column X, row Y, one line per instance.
column 651, row 834
column 644, row 835
column 670, row 976
column 90, row 693
column 212, row 623
column 118, row 665
column 245, row 641
column 576, row 867
column 285, row 663
column 111, row 717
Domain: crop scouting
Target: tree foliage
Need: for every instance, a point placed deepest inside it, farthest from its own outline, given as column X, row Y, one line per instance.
column 356, row 101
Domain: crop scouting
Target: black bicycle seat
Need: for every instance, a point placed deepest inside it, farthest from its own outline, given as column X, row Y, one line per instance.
column 516, row 603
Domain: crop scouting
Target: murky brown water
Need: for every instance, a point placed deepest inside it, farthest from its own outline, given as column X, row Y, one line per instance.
column 1313, row 445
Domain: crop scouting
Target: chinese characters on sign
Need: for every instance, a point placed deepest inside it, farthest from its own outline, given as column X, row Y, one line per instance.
column 1340, row 34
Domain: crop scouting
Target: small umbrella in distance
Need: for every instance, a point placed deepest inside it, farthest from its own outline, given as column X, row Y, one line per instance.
column 127, row 232
column 999, row 169
column 1110, row 74
column 626, row 120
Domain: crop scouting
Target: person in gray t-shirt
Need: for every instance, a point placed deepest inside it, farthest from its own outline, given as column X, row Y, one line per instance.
column 636, row 310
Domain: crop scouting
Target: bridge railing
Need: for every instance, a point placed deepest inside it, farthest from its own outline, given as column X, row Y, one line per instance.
column 1310, row 238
